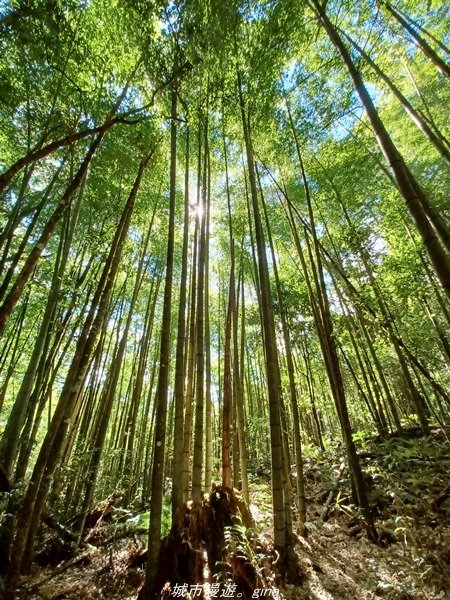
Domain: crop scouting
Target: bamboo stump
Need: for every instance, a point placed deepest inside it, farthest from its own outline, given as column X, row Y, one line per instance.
column 196, row 550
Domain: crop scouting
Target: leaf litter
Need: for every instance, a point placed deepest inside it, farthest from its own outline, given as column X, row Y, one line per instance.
column 408, row 479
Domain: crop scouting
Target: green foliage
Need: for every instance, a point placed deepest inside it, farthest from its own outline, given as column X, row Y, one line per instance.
column 63, row 66
column 140, row 522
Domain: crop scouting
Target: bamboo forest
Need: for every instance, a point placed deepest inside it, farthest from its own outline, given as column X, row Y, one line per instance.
column 224, row 299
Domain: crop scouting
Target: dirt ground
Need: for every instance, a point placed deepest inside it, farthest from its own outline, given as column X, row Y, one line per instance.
column 408, row 479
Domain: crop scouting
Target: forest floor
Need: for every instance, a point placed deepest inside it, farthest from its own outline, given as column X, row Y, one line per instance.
column 409, row 482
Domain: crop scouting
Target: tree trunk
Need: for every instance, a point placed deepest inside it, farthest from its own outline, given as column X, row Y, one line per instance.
column 300, row 483
column 10, row 439
column 197, row 466
column 208, row 400
column 238, row 367
column 283, row 542
column 180, row 363
column 441, row 65
column 227, row 381
column 438, row 141
column 56, row 434
column 30, row 263
column 410, row 189
column 157, row 481
column 105, row 404
column 331, row 359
